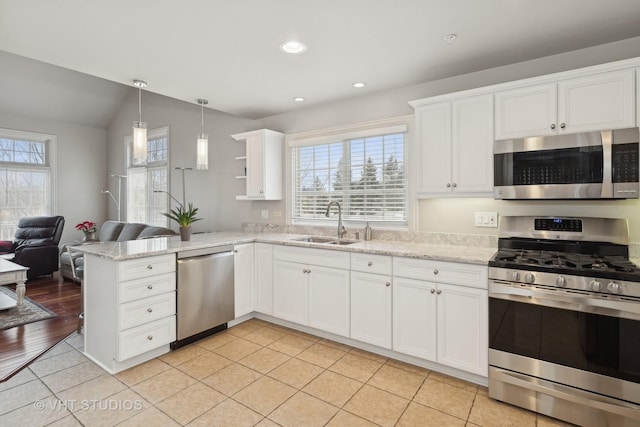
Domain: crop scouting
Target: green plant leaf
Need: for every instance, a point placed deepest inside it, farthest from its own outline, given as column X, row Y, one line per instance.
column 184, row 217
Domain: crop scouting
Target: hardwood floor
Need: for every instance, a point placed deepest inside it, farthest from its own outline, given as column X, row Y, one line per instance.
column 20, row 345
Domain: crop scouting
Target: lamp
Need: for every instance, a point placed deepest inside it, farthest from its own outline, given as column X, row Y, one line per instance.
column 202, row 147
column 139, row 130
column 116, row 201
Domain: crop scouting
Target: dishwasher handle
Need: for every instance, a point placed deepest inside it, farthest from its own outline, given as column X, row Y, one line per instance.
column 195, row 253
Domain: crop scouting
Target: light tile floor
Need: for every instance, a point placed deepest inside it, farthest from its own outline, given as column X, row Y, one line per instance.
column 255, row 373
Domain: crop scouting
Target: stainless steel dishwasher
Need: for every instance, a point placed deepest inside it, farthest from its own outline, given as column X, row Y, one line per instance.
column 205, row 293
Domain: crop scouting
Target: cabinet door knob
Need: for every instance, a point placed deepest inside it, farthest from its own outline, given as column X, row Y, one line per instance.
column 369, row 263
column 235, row 251
column 149, row 286
column 436, row 271
column 388, row 284
column 149, row 267
column 433, row 291
column 438, row 292
column 562, row 126
column 149, row 310
column 150, row 337
column 454, row 185
column 448, row 185
column 553, row 126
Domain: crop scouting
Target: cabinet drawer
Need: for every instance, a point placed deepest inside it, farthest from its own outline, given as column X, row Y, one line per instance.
column 141, row 339
column 146, row 310
column 146, row 267
column 378, row 264
column 441, row 271
column 321, row 257
column 146, row 287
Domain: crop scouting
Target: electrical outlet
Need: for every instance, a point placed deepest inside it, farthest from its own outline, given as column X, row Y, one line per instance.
column 277, row 214
column 486, row 219
column 264, row 214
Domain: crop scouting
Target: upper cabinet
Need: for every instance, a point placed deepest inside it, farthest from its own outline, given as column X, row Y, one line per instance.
column 263, row 170
column 590, row 103
column 454, row 147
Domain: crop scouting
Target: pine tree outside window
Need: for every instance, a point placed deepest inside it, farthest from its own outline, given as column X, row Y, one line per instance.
column 366, row 175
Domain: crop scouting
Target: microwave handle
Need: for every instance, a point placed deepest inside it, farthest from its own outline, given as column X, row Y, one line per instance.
column 607, row 172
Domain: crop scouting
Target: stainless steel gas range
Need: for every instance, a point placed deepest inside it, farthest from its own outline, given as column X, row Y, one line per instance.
column 564, row 320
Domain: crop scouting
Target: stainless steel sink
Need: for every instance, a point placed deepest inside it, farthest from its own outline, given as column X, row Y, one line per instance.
column 325, row 240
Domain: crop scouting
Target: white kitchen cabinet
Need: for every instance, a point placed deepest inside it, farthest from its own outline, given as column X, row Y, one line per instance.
column 263, row 277
column 130, row 309
column 371, row 308
column 311, row 287
column 243, row 271
column 290, row 292
column 455, row 147
column 590, row 103
column 443, row 319
column 263, row 161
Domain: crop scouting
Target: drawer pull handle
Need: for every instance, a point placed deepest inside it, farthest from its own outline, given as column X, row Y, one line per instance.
column 433, row 291
column 388, row 284
column 149, row 286
column 149, row 310
column 369, row 263
column 150, row 337
column 439, row 291
column 436, row 271
column 149, row 267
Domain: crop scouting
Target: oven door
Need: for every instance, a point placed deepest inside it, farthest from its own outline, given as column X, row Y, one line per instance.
column 572, row 346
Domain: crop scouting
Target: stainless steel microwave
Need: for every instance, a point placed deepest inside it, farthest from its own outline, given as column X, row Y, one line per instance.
column 593, row 165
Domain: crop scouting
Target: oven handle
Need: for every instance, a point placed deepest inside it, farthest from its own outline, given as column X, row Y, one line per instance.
column 607, row 181
column 529, row 294
column 592, row 400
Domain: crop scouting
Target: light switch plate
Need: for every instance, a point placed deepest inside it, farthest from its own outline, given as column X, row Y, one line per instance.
column 264, row 214
column 486, row 219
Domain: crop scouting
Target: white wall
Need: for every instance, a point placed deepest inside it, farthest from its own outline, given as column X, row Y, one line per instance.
column 456, row 215
column 80, row 168
column 213, row 191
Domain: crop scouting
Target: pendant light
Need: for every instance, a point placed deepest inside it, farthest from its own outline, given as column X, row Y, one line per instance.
column 202, row 145
column 139, row 130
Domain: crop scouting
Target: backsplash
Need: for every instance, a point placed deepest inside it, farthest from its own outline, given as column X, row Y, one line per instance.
column 454, row 239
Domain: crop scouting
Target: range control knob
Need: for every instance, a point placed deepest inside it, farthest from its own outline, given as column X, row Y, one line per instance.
column 515, row 276
column 613, row 287
column 529, row 278
column 595, row 286
column 561, row 282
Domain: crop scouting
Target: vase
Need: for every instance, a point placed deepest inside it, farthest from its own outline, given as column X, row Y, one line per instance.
column 89, row 236
column 185, row 233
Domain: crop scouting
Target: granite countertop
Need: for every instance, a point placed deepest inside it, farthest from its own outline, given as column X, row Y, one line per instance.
column 164, row 245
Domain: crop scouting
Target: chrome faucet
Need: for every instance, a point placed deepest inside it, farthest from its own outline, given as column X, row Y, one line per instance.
column 341, row 230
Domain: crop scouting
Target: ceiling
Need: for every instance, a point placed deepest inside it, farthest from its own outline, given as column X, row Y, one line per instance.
column 229, row 51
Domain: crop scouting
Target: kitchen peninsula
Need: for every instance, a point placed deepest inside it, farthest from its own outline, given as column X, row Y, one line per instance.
column 422, row 303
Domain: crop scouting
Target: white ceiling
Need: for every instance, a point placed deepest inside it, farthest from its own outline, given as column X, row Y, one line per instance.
column 228, row 51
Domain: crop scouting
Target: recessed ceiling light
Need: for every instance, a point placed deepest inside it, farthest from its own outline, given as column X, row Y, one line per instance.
column 298, row 99
column 359, row 84
column 450, row 38
column 293, row 47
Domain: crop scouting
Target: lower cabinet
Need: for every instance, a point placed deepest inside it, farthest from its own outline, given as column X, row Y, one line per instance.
column 243, row 279
column 290, row 292
column 329, row 299
column 263, row 277
column 442, row 322
column 371, row 308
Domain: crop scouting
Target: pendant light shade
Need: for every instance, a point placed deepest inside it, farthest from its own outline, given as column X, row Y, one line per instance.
column 202, row 144
column 139, row 130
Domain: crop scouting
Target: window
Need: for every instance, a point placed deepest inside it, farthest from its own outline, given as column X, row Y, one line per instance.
column 147, row 185
column 25, row 178
column 363, row 170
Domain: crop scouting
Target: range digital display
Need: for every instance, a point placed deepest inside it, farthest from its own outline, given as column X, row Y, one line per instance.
column 558, row 224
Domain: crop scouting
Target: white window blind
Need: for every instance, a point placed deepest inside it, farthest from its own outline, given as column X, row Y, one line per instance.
column 365, row 174
column 147, row 184
column 25, row 178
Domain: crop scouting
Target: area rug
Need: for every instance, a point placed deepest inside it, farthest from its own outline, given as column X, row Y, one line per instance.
column 30, row 312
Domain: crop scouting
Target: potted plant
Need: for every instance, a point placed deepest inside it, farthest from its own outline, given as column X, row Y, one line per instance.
column 184, row 218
